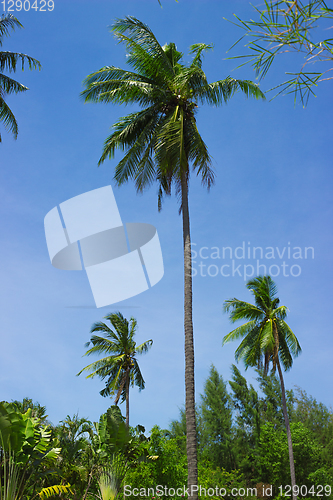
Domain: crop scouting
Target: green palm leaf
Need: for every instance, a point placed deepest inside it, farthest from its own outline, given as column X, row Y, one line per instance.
column 8, row 118
column 239, row 332
column 55, row 490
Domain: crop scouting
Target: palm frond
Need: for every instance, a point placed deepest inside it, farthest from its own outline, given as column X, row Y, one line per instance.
column 145, row 53
column 10, row 86
column 121, row 388
column 55, row 490
column 143, row 348
column 8, row 21
column 169, row 148
column 290, row 337
column 264, row 290
column 280, row 312
column 249, row 349
column 131, row 133
column 221, row 91
column 103, row 328
column 137, row 376
column 267, row 341
column 111, row 84
column 242, row 310
column 197, row 153
column 284, row 353
column 8, row 118
column 240, row 332
column 101, row 344
column 197, row 49
column 9, row 61
column 146, row 171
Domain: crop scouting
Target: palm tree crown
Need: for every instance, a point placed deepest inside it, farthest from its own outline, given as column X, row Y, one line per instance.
column 266, row 335
column 119, row 367
column 162, row 138
column 9, row 62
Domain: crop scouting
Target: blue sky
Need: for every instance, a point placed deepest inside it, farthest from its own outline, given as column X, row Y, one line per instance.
column 273, row 187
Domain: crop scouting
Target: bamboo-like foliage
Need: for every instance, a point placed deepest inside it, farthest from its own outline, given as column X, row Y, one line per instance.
column 291, row 26
column 10, row 61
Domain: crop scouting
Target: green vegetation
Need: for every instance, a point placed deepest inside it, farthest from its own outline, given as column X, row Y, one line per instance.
column 27, row 454
column 120, row 366
column 9, row 61
column 284, row 26
column 242, row 444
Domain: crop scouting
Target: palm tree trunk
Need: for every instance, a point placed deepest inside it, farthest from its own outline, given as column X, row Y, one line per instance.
column 127, row 398
column 290, row 444
column 191, row 437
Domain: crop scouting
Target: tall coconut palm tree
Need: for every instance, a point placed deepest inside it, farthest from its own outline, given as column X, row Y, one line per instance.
column 267, row 339
column 9, row 62
column 120, row 367
column 162, row 144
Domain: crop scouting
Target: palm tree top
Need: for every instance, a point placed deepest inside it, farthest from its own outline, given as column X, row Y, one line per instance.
column 266, row 334
column 120, row 349
column 162, row 139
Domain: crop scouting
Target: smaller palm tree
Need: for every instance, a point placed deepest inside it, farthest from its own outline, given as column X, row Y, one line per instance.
column 267, row 338
column 120, row 367
column 9, row 62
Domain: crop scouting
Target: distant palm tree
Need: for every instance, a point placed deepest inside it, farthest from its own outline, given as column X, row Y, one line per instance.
column 267, row 338
column 9, row 62
column 37, row 410
column 162, row 144
column 120, row 367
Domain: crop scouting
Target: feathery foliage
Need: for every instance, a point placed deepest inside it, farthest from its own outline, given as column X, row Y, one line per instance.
column 291, row 26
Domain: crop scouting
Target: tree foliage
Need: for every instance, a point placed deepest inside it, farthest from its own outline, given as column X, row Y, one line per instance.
column 10, row 61
column 284, row 26
column 97, row 458
column 27, row 453
column 216, row 421
column 119, row 367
